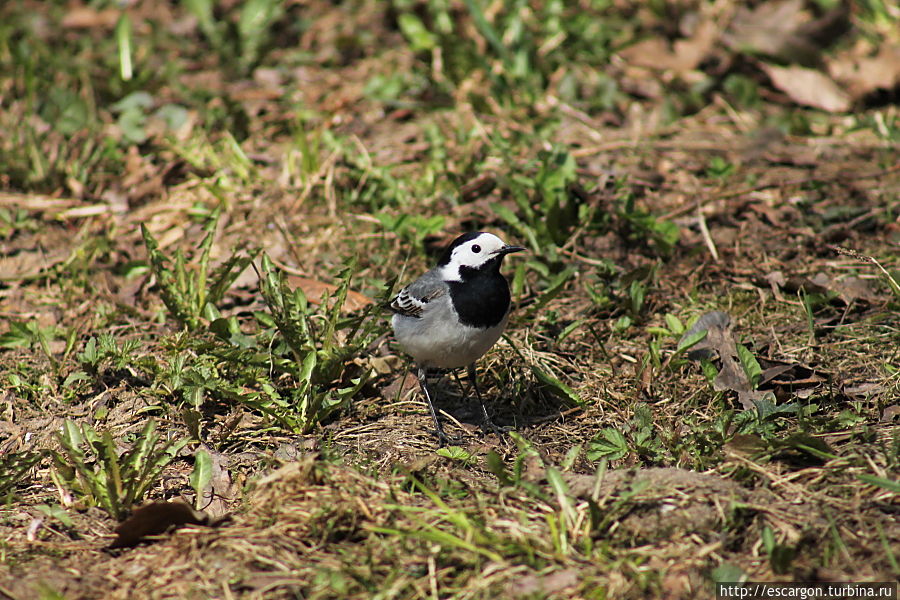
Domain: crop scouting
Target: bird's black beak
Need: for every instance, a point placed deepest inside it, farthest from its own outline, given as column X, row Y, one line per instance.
column 509, row 250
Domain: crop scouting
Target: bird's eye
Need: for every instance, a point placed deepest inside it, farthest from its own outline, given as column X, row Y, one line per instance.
column 476, row 248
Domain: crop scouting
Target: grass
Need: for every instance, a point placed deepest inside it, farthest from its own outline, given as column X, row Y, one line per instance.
column 204, row 208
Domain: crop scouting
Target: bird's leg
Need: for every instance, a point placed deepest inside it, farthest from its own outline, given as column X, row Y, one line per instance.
column 443, row 438
column 462, row 388
column 487, row 422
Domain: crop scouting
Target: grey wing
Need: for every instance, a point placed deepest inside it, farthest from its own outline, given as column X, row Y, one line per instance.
column 412, row 299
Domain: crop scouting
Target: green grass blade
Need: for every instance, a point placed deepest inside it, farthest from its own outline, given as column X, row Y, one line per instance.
column 558, row 388
column 205, row 249
column 561, row 490
column 114, row 485
column 487, row 30
column 887, row 484
column 202, row 474
column 123, row 37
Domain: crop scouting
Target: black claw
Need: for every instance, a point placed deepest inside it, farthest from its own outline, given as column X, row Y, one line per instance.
column 488, row 425
column 447, row 440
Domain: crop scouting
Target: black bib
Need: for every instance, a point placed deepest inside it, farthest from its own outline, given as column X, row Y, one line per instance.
column 481, row 299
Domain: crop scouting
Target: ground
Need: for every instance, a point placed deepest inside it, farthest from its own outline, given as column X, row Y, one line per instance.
column 204, row 210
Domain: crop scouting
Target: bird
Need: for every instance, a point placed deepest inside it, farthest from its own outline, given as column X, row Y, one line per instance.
column 455, row 312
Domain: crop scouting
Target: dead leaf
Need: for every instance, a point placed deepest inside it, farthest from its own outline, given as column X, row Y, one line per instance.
column 315, row 290
column 690, row 52
column 156, row 518
column 789, row 375
column 773, row 372
column 29, row 263
column 776, row 281
column 799, row 283
column 865, row 390
column 863, row 74
column 749, row 398
column 720, row 339
column 684, row 55
column 383, row 365
column 890, row 412
column 401, row 386
column 220, row 492
column 706, row 321
column 847, row 289
column 789, row 380
column 809, row 87
column 538, row 584
column 773, row 29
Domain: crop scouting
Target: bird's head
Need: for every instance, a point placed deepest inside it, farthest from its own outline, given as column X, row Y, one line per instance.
column 473, row 252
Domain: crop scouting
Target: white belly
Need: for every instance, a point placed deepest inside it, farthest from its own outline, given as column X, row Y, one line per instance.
column 437, row 340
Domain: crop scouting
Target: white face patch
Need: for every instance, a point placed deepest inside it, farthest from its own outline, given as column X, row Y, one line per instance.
column 473, row 253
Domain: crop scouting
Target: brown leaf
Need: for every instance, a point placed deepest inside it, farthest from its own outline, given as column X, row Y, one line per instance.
column 383, row 365
column 156, row 518
column 400, row 386
column 646, row 53
column 220, row 492
column 29, row 263
column 690, row 52
column 848, row 289
column 776, row 281
column 788, row 375
column 707, row 321
column 867, row 390
column 862, row 75
column 809, row 87
column 537, row 584
column 789, row 380
column 720, row 339
column 774, row 29
column 749, row 398
column 684, row 55
column 890, row 412
column 315, row 290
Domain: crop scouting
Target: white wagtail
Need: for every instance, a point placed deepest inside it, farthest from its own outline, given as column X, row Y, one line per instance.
column 450, row 316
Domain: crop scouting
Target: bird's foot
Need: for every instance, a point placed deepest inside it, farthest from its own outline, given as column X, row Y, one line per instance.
column 488, row 426
column 447, row 440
